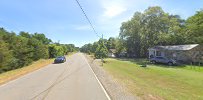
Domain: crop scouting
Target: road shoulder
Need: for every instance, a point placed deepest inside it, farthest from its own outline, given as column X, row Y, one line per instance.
column 115, row 89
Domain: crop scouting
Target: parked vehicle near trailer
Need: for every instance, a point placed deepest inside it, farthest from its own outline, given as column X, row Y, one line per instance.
column 163, row 60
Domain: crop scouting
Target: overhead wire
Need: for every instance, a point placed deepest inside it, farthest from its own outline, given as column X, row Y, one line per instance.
column 88, row 19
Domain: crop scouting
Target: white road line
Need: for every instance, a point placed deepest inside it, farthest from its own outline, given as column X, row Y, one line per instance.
column 98, row 80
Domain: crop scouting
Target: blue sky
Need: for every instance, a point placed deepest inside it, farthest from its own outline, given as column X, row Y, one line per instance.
column 62, row 20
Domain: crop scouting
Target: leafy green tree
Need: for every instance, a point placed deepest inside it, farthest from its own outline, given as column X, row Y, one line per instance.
column 5, row 57
column 150, row 28
column 42, row 38
column 194, row 28
column 111, row 43
column 94, row 46
column 131, row 34
column 153, row 27
column 56, row 50
column 120, row 47
column 25, row 34
column 101, row 51
column 40, row 51
column 87, row 48
column 21, row 50
column 70, row 48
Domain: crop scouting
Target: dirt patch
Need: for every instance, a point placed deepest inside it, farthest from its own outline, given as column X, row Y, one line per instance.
column 115, row 89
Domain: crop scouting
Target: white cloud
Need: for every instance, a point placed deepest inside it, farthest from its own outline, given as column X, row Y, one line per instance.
column 113, row 8
column 83, row 27
column 117, row 11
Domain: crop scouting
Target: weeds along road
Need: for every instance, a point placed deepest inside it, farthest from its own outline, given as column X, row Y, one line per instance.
column 72, row 80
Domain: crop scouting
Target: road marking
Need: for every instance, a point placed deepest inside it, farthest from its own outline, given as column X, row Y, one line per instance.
column 98, row 80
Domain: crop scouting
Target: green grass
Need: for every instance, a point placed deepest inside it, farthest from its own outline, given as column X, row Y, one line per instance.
column 157, row 81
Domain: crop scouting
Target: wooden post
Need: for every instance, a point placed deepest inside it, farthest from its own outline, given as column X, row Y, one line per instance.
column 102, row 57
column 199, row 65
column 191, row 65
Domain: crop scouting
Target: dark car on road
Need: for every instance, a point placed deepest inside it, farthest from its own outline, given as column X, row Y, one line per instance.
column 60, row 59
column 162, row 60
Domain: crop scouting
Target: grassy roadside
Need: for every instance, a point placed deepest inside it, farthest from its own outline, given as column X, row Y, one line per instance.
column 13, row 74
column 157, row 81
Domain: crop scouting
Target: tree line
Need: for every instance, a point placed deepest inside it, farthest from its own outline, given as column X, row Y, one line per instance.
column 153, row 27
column 99, row 48
column 20, row 50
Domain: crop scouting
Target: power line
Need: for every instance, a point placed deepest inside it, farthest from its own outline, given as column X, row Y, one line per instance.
column 87, row 18
column 90, row 24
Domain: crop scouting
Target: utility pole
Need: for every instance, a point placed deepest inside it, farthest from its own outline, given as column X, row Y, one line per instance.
column 102, row 57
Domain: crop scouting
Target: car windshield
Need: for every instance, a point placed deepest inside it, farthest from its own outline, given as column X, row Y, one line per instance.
column 160, row 57
column 60, row 57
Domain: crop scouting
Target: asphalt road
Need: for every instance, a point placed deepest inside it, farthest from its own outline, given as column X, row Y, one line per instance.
column 72, row 80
